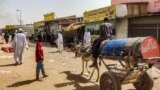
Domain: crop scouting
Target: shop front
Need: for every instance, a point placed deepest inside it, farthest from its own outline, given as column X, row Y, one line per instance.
column 48, row 18
column 65, row 22
column 38, row 26
column 76, row 32
column 145, row 26
column 94, row 18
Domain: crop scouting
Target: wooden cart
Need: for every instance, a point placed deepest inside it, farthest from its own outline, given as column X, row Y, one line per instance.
column 115, row 76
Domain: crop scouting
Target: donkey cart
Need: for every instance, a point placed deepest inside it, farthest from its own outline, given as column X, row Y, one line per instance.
column 135, row 57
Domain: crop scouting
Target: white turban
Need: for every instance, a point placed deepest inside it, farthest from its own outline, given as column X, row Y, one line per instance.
column 20, row 30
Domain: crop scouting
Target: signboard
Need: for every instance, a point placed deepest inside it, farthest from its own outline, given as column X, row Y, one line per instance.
column 9, row 27
column 100, row 14
column 49, row 16
column 150, row 49
column 39, row 24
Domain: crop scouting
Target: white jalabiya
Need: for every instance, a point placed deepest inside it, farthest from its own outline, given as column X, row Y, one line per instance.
column 87, row 38
column 3, row 36
column 18, row 44
column 60, row 42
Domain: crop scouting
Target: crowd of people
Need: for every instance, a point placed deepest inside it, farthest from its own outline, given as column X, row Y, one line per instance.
column 52, row 39
column 19, row 43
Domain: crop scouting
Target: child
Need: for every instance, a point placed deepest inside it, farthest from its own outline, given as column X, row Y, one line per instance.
column 39, row 58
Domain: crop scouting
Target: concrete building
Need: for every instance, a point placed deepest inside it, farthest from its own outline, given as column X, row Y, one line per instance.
column 153, row 5
column 142, row 19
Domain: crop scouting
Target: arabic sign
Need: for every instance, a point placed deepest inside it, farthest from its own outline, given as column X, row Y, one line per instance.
column 49, row 16
column 150, row 48
column 39, row 24
column 100, row 14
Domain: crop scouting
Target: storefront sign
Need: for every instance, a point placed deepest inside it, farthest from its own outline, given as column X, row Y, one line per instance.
column 39, row 24
column 9, row 27
column 100, row 14
column 49, row 16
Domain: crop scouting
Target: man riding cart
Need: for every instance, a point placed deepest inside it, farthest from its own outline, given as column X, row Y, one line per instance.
column 105, row 33
column 139, row 55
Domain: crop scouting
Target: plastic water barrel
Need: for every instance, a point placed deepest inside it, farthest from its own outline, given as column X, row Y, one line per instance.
column 114, row 47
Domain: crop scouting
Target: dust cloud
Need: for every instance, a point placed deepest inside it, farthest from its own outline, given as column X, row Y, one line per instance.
column 6, row 16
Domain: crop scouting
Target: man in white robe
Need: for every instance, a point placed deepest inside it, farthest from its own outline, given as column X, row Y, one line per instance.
column 60, row 41
column 3, row 36
column 87, row 38
column 18, row 44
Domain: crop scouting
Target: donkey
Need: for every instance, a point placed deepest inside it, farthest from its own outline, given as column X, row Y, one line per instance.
column 85, row 52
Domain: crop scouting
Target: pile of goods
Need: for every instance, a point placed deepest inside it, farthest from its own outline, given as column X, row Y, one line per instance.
column 7, row 48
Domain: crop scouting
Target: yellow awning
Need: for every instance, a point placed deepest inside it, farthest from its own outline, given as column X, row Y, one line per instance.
column 73, row 26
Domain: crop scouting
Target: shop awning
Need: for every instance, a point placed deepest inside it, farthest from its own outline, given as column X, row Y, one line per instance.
column 74, row 26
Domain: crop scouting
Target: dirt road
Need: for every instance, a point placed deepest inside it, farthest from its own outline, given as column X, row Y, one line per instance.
column 63, row 70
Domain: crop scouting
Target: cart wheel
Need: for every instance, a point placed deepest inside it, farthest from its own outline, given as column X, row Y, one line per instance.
column 146, row 82
column 109, row 81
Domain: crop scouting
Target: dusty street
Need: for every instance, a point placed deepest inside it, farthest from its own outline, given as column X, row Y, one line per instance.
column 63, row 70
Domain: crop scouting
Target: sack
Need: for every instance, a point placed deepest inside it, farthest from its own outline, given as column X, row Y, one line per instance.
column 7, row 48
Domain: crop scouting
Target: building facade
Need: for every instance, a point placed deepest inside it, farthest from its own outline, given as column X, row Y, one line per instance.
column 143, row 19
column 153, row 5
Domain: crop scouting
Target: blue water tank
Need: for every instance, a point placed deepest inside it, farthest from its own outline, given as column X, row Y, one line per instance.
column 113, row 47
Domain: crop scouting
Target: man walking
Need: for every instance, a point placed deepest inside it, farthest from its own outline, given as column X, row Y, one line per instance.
column 3, row 35
column 60, row 41
column 39, row 58
column 13, row 34
column 18, row 44
column 6, row 37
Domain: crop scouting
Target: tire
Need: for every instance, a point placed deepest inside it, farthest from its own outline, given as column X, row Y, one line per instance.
column 146, row 82
column 109, row 81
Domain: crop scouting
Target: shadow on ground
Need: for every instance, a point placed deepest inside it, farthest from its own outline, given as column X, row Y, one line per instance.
column 76, row 80
column 54, row 52
column 31, row 45
column 21, row 83
column 7, row 65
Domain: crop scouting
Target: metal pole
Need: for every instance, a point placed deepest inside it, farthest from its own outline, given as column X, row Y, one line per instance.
column 20, row 17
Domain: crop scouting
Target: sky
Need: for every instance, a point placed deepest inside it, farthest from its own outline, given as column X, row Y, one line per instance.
column 33, row 10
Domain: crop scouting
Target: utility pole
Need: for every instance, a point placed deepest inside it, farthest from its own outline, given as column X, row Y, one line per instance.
column 20, row 15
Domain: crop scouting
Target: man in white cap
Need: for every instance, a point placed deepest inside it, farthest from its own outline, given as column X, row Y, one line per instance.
column 60, row 41
column 18, row 44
